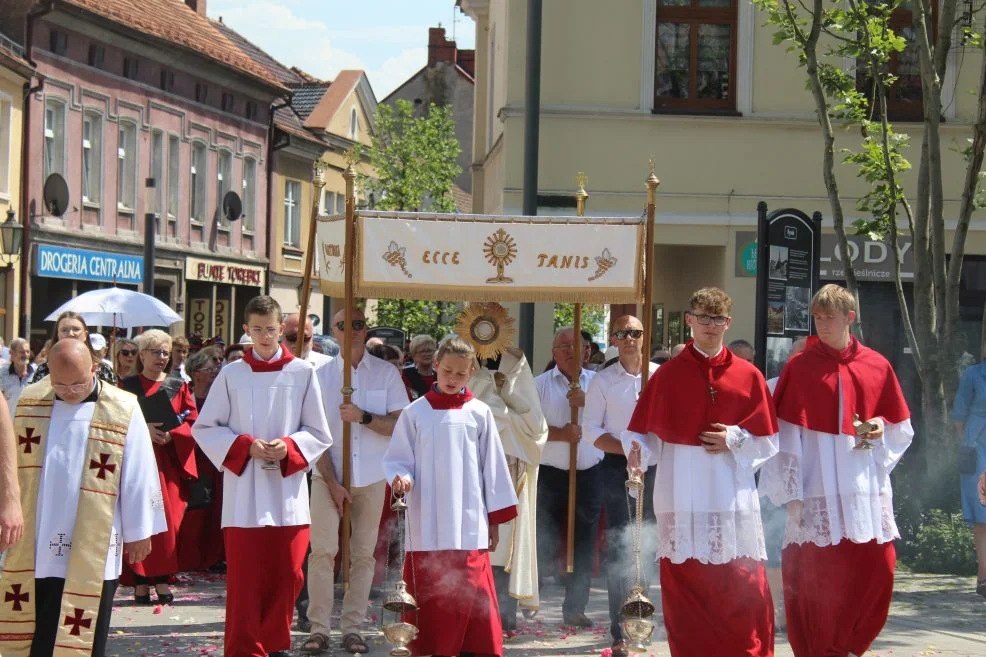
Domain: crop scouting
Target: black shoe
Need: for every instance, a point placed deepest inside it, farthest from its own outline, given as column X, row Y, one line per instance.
column 576, row 620
column 279, row 653
column 218, row 568
column 142, row 599
column 165, row 598
column 304, row 625
column 509, row 622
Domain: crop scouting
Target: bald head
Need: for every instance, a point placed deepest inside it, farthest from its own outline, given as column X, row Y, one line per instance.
column 627, row 322
column 71, row 365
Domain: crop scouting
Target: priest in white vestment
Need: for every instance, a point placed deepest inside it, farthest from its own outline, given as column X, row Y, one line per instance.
column 90, row 493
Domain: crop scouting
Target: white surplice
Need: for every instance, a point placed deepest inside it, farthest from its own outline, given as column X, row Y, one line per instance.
column 139, row 509
column 265, row 405
column 845, row 492
column 459, row 471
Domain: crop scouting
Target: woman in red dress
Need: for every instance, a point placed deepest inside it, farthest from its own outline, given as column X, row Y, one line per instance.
column 175, row 452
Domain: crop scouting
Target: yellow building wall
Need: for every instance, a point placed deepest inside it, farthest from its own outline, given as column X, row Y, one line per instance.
column 12, row 90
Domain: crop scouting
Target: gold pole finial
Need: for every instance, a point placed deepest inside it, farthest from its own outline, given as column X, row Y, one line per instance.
column 652, row 180
column 352, row 156
column 581, row 196
column 318, row 174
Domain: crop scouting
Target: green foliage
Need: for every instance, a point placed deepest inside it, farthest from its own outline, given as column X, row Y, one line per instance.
column 436, row 318
column 940, row 542
column 593, row 317
column 413, row 158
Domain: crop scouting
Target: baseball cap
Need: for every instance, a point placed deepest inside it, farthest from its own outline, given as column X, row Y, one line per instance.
column 97, row 341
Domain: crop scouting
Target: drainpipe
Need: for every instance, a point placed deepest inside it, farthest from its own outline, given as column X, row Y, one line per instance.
column 271, row 149
column 26, row 216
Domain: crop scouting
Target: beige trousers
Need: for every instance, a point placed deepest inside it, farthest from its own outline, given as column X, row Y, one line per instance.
column 365, row 513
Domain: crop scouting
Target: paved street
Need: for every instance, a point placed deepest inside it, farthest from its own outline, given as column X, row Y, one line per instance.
column 931, row 615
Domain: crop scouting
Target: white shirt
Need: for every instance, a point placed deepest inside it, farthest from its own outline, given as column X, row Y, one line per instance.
column 317, row 359
column 552, row 387
column 456, row 463
column 610, row 401
column 265, row 405
column 12, row 385
column 139, row 511
column 378, row 389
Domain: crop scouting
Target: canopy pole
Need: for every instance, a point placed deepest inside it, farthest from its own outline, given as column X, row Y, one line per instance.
column 573, row 448
column 318, row 182
column 347, row 362
column 652, row 183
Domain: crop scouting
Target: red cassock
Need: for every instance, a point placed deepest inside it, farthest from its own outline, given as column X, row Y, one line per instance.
column 837, row 596
column 175, row 462
column 710, row 609
column 200, row 538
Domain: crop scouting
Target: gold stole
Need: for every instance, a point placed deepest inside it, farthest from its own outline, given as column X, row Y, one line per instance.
column 102, row 465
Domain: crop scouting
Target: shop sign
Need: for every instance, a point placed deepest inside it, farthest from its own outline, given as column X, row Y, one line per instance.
column 200, row 316
column 84, row 265
column 871, row 259
column 212, row 271
column 222, row 319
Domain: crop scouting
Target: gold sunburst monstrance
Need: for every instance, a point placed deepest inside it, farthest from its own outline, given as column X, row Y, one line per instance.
column 500, row 250
column 488, row 327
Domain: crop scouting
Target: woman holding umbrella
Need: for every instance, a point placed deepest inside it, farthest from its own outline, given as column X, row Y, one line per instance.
column 175, row 452
column 70, row 325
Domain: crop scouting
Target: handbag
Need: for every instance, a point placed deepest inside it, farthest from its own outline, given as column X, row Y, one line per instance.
column 198, row 492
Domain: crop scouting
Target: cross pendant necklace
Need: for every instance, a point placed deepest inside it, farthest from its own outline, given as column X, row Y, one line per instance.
column 713, row 393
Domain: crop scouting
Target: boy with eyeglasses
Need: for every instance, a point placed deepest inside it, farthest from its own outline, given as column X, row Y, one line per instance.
column 844, row 425
column 707, row 422
column 610, row 401
column 378, row 398
column 264, row 425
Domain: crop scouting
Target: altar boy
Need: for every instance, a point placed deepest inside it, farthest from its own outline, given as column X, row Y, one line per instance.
column 263, row 424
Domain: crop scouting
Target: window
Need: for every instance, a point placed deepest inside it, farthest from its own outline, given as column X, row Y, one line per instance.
column 5, row 154
column 251, row 110
column 228, row 101
column 696, row 55
column 174, row 186
column 156, row 195
column 167, row 81
column 97, row 56
column 353, row 125
column 126, row 167
column 54, row 138
column 197, row 186
column 249, row 194
column 904, row 98
column 57, row 42
column 292, row 213
column 224, row 178
column 327, row 203
column 131, row 68
column 92, row 157
column 340, row 203
column 201, row 92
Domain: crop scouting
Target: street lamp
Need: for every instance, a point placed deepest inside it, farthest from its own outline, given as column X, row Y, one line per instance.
column 11, row 240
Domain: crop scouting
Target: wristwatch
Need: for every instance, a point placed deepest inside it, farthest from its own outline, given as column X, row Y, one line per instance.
column 367, row 418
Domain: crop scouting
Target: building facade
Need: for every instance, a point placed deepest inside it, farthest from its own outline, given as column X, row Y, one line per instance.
column 726, row 117
column 127, row 98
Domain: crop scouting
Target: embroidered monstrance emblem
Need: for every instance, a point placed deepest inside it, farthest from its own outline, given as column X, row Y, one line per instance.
column 29, row 440
column 61, row 547
column 77, row 621
column 157, row 501
column 15, row 596
column 103, row 465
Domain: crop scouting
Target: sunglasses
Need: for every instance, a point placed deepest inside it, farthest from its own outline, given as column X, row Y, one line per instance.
column 632, row 333
column 293, row 337
column 128, row 352
column 358, row 325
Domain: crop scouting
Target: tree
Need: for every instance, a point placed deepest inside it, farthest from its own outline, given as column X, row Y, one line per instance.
column 822, row 35
column 593, row 317
column 413, row 158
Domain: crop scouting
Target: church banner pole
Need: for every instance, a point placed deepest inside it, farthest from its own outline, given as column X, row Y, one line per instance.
column 318, row 182
column 573, row 448
column 347, row 348
column 652, row 183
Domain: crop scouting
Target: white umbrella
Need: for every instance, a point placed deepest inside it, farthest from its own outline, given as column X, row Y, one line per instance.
column 114, row 306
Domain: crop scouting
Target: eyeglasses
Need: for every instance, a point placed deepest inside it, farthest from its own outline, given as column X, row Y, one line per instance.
column 206, row 370
column 128, row 352
column 358, row 325
column 632, row 333
column 568, row 346
column 70, row 331
column 160, row 353
column 266, row 331
column 704, row 320
column 72, row 388
column 293, row 337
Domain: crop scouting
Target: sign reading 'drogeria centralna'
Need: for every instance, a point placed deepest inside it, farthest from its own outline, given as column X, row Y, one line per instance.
column 80, row 264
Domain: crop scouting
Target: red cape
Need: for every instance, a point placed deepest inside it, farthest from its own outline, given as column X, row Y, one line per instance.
column 690, row 392
column 807, row 393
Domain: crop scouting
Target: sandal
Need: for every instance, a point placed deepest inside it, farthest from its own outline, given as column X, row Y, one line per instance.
column 353, row 643
column 315, row 644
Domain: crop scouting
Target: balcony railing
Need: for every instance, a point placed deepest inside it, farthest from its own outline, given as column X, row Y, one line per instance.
column 11, row 46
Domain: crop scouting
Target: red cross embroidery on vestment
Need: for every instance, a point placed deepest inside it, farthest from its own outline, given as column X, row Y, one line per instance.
column 29, row 440
column 102, row 465
column 16, row 596
column 77, row 621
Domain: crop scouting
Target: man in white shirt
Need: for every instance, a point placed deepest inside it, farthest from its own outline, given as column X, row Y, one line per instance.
column 610, row 401
column 378, row 398
column 557, row 401
column 16, row 374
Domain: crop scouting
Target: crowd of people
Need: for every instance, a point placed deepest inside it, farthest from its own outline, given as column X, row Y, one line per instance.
column 176, row 455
